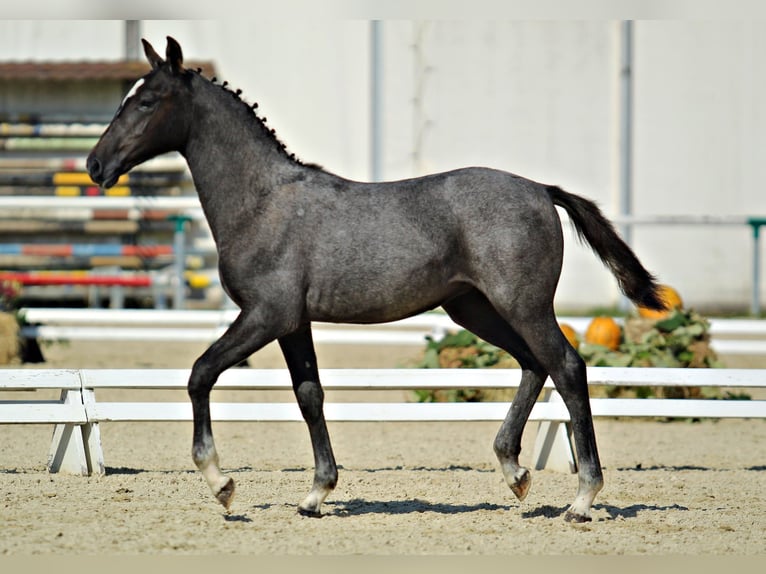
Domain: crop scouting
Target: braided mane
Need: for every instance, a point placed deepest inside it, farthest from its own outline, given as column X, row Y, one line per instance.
column 270, row 132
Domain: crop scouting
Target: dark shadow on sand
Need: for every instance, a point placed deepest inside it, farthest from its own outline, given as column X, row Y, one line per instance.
column 545, row 511
column 641, row 468
column 614, row 512
column 633, row 511
column 124, row 470
column 237, row 518
column 678, row 468
column 359, row 507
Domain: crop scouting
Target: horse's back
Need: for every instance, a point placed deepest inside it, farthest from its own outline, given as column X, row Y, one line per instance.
column 494, row 209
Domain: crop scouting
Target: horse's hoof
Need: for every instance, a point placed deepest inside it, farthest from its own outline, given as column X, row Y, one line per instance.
column 576, row 518
column 522, row 481
column 308, row 512
column 226, row 494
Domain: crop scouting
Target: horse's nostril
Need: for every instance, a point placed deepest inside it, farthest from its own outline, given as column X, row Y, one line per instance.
column 94, row 168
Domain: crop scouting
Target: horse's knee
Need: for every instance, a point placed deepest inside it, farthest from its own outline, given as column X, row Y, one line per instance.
column 201, row 380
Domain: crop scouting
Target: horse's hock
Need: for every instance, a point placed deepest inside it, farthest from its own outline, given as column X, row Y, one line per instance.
column 9, row 339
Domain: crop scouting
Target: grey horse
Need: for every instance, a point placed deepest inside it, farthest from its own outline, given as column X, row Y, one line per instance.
column 298, row 244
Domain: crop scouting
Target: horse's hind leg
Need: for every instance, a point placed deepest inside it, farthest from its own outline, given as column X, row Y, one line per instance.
column 236, row 344
column 474, row 312
column 298, row 350
column 567, row 369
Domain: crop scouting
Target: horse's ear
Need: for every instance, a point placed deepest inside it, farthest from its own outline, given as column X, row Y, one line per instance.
column 151, row 55
column 174, row 56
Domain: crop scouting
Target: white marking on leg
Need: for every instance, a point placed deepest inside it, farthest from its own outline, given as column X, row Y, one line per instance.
column 518, row 478
column 314, row 500
column 214, row 477
column 220, row 484
column 581, row 507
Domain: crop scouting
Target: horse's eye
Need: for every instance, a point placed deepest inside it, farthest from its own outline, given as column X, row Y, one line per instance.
column 145, row 104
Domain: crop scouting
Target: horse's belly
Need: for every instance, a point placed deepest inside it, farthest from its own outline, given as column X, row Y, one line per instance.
column 379, row 300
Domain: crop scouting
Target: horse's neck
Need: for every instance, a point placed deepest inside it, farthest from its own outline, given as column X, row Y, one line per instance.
column 234, row 166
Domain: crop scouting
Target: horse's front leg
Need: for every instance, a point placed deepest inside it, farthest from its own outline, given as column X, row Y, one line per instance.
column 298, row 350
column 242, row 338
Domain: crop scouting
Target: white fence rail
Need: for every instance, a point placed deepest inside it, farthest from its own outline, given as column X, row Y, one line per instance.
column 76, row 446
column 208, row 325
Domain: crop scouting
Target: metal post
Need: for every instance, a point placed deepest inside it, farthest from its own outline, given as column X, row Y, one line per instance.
column 179, row 250
column 626, row 136
column 626, row 127
column 755, row 300
column 158, row 293
column 132, row 39
column 376, row 100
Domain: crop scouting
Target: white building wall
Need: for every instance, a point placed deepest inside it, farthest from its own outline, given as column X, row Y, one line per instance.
column 311, row 82
column 55, row 40
column 699, row 149
column 536, row 98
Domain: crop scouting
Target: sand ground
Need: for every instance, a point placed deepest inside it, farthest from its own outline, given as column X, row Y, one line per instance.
column 415, row 488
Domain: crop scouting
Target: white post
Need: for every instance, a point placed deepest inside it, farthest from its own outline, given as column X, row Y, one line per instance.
column 91, row 435
column 67, row 454
column 553, row 444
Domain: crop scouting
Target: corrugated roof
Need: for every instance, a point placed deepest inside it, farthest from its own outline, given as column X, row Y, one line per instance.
column 86, row 70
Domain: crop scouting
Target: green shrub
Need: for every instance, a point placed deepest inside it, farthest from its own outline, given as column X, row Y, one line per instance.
column 681, row 340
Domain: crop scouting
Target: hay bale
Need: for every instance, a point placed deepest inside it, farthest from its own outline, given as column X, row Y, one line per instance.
column 9, row 339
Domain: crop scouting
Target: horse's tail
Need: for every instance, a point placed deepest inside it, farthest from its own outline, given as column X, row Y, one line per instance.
column 592, row 227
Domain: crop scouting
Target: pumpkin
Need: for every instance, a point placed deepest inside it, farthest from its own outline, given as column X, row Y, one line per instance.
column 604, row 331
column 672, row 301
column 570, row 334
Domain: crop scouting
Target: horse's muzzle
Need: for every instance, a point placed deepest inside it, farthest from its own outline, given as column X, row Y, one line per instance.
column 98, row 173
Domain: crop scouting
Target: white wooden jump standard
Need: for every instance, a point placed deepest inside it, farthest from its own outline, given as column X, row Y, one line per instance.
column 76, row 446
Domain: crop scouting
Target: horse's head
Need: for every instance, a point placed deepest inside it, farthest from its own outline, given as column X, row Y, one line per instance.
column 152, row 119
